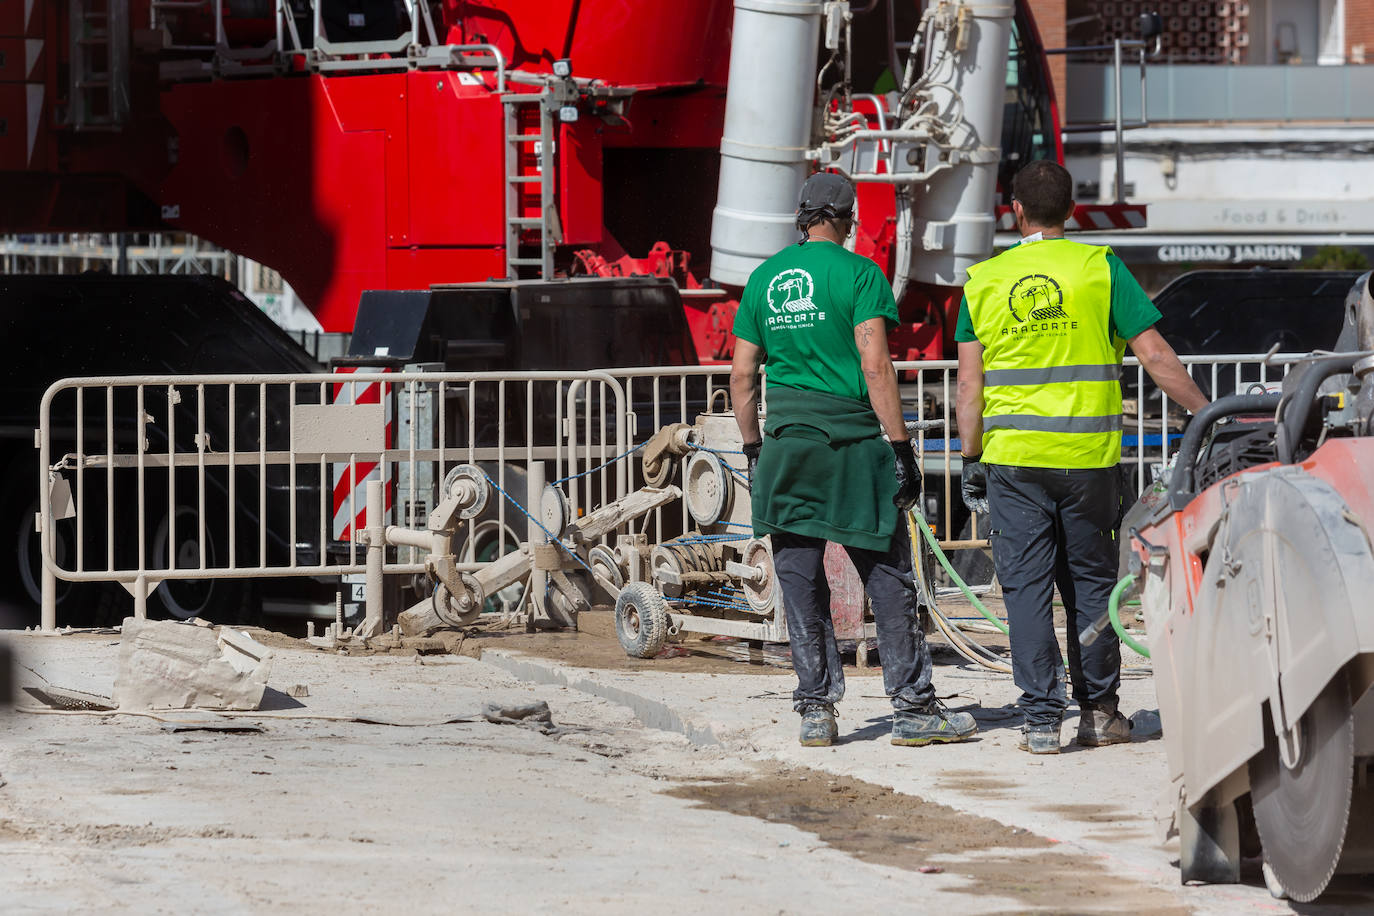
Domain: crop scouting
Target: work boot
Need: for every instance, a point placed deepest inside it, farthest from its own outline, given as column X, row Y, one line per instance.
column 818, row 727
column 1099, row 726
column 933, row 725
column 1040, row 739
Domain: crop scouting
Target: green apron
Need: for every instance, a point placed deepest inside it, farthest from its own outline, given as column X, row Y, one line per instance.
column 825, row 471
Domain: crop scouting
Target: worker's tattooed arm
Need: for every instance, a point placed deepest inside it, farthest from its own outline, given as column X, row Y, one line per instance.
column 871, row 338
column 744, row 388
column 968, row 399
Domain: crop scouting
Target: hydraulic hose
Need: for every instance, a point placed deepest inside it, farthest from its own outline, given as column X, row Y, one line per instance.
column 1114, row 612
column 967, row 648
column 949, row 571
column 968, row 593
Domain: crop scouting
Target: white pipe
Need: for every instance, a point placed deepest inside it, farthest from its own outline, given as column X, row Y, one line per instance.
column 954, row 225
column 539, row 578
column 376, row 555
column 768, row 111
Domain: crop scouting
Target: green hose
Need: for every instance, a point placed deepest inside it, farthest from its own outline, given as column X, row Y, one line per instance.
column 1114, row 612
column 949, row 571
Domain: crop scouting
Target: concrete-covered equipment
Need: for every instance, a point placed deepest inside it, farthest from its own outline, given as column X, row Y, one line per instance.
column 560, row 557
column 1257, row 565
column 716, row 578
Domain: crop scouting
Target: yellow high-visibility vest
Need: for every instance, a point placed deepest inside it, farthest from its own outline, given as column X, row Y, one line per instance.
column 1051, row 368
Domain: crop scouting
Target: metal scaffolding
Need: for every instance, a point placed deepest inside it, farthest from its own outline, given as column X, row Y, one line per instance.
column 117, row 253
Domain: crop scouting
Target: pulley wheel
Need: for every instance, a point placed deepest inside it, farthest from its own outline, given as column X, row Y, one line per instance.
column 657, row 473
column 474, row 474
column 448, row 608
column 1302, row 811
column 762, row 595
column 606, row 563
column 706, row 487
column 554, row 513
column 569, row 595
column 664, row 557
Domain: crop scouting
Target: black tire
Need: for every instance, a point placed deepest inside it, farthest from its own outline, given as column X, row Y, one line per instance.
column 231, row 601
column 641, row 620
column 79, row 604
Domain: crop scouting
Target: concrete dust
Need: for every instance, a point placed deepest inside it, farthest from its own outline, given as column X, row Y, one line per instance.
column 875, row 824
column 594, row 645
column 328, row 812
column 340, row 816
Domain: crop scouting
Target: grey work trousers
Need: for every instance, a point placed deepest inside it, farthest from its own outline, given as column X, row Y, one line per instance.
column 1052, row 526
column 799, row 562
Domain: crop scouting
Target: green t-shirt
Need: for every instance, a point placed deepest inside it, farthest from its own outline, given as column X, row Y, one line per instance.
column 1131, row 310
column 801, row 307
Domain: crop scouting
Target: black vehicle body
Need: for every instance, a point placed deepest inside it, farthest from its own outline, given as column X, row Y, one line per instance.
column 101, row 325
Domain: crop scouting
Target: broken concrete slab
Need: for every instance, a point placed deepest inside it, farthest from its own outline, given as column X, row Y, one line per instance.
column 168, row 665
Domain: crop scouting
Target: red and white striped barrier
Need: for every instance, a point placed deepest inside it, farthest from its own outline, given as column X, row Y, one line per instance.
column 1089, row 217
column 350, row 491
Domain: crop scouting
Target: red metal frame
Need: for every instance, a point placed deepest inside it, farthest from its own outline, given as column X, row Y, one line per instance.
column 393, row 180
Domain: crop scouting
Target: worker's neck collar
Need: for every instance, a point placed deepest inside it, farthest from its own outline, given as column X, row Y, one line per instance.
column 818, row 238
column 1041, row 234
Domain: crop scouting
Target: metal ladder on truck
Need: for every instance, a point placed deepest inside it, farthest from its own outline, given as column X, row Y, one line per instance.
column 98, row 80
column 529, row 160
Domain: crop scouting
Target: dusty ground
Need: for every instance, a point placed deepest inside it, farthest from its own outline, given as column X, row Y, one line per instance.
column 669, row 782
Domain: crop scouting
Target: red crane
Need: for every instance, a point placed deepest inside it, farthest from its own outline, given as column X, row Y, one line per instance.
column 396, row 144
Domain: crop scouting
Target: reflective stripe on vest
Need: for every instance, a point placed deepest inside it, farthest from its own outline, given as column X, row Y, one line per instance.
column 1054, row 424
column 1110, row 372
column 1052, row 367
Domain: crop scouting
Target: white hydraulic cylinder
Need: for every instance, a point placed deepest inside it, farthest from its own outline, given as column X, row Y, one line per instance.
column 768, row 111
column 954, row 220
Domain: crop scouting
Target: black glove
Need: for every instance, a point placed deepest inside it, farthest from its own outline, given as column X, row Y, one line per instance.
column 908, row 476
column 973, row 480
column 751, row 457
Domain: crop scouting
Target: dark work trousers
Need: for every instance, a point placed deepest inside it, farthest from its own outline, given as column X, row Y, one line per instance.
column 799, row 561
column 1054, row 526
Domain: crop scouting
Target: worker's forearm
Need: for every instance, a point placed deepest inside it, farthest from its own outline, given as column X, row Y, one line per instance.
column 968, row 410
column 1172, row 377
column 886, row 399
column 744, row 395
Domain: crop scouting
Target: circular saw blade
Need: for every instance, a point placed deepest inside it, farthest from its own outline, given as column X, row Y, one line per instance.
column 1302, row 812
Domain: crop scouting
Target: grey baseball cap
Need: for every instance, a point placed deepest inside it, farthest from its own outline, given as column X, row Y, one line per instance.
column 825, row 194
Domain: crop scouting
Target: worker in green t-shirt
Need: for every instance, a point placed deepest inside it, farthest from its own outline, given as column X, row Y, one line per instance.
column 819, row 316
column 1041, row 332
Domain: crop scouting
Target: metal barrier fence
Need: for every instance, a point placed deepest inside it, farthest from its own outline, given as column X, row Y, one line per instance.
column 157, row 480
column 151, row 480
column 663, row 395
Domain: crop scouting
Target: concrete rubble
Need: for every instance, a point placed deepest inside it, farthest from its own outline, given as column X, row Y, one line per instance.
column 167, row 665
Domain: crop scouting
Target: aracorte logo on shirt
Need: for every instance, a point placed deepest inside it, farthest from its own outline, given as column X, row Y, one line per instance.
column 790, row 300
column 1036, row 301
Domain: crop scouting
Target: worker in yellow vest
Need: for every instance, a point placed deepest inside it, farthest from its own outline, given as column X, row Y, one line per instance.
column 1041, row 333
